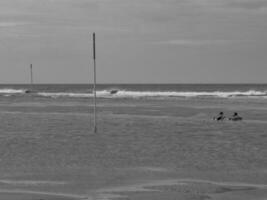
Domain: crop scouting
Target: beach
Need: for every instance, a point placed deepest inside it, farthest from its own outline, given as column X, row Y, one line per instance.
column 145, row 148
column 133, row 100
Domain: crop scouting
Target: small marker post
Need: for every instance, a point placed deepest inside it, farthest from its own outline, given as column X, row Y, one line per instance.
column 31, row 78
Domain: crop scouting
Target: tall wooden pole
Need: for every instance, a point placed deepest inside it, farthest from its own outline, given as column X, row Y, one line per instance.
column 94, row 56
column 31, row 78
column 31, row 74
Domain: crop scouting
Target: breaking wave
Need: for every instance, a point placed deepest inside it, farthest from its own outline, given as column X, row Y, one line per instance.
column 12, row 91
column 120, row 93
column 143, row 94
column 104, row 93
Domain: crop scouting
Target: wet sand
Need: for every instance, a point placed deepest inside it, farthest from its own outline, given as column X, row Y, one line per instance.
column 188, row 189
column 23, row 195
column 191, row 189
column 144, row 150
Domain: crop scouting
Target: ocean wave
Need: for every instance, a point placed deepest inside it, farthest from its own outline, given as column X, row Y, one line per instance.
column 143, row 94
column 12, row 91
column 63, row 94
column 190, row 94
column 104, row 93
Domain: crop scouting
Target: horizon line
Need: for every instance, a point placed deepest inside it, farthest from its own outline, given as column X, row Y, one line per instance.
column 132, row 83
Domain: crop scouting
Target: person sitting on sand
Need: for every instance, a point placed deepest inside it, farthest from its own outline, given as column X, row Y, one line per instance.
column 235, row 117
column 220, row 117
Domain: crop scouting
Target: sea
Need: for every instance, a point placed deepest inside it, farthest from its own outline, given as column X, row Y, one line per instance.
column 139, row 90
column 150, row 139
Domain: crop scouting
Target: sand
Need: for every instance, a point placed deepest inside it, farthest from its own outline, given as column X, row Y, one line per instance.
column 170, row 189
column 188, row 189
column 22, row 195
column 144, row 150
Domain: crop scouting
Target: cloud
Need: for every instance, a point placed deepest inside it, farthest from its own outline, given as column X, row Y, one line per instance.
column 248, row 4
column 12, row 24
column 185, row 42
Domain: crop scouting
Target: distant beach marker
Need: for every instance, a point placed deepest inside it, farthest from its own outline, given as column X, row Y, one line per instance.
column 31, row 81
column 31, row 75
column 31, row 78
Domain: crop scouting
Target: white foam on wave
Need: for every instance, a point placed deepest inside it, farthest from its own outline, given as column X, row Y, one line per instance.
column 63, row 94
column 221, row 94
column 103, row 93
column 12, row 91
column 140, row 94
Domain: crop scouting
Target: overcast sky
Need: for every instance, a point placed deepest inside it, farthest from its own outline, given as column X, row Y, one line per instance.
column 138, row 41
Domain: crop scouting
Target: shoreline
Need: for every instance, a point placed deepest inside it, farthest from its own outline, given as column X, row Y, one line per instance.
column 34, row 195
column 186, row 189
column 147, row 189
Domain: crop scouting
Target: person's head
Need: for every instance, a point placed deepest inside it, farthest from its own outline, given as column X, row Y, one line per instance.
column 235, row 114
column 221, row 113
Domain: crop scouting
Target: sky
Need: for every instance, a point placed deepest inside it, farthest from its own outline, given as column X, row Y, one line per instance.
column 137, row 41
